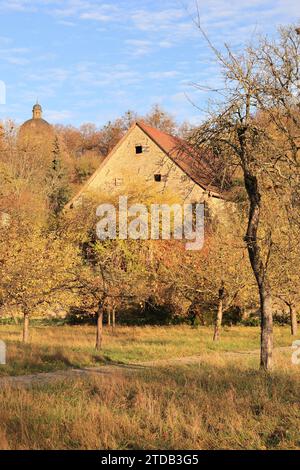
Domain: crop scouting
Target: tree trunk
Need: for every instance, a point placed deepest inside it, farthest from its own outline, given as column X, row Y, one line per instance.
column 99, row 327
column 259, row 269
column 218, row 324
column 266, row 350
column 26, row 327
column 14, row 318
column 113, row 317
column 109, row 315
column 293, row 317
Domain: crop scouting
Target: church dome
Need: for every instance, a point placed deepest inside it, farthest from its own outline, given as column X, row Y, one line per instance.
column 37, row 127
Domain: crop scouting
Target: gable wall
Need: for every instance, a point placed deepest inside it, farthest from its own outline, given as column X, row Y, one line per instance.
column 124, row 169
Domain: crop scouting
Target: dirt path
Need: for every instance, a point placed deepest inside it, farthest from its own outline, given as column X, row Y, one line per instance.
column 197, row 359
column 28, row 381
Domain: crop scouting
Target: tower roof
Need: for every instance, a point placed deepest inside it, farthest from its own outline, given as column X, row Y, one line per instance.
column 37, row 106
column 37, row 125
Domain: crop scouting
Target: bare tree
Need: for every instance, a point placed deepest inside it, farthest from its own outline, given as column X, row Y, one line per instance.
column 258, row 104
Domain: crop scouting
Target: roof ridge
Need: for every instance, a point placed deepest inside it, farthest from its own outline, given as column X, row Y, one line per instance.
column 181, row 153
column 144, row 123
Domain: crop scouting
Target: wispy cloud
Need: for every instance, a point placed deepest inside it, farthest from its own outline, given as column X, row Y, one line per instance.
column 140, row 47
column 49, row 75
column 236, row 21
column 59, row 115
column 95, row 76
column 20, row 5
column 160, row 20
column 164, row 74
column 86, row 10
column 94, row 59
column 14, row 55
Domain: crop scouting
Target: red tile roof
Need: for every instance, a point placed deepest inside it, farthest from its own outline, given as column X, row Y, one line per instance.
column 200, row 168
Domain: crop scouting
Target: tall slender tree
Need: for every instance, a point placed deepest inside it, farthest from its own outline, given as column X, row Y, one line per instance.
column 239, row 130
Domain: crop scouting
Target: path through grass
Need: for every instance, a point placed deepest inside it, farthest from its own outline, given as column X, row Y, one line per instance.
column 57, row 348
column 220, row 403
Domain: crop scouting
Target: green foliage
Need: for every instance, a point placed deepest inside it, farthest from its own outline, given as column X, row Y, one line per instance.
column 151, row 312
column 59, row 187
column 79, row 316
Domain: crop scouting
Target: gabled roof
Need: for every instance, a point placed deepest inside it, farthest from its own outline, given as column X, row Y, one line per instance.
column 180, row 152
column 200, row 168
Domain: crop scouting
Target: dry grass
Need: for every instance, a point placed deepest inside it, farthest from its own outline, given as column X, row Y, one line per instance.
column 54, row 348
column 222, row 403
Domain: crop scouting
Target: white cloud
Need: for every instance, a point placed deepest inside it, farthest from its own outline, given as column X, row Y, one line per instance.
column 49, row 75
column 95, row 15
column 146, row 29
column 140, row 47
column 16, row 5
column 5, row 40
column 58, row 116
column 163, row 74
column 85, row 77
column 236, row 21
column 14, row 55
column 86, row 10
column 149, row 20
column 66, row 23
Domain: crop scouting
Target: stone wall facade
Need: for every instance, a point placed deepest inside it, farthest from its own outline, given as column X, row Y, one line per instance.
column 152, row 170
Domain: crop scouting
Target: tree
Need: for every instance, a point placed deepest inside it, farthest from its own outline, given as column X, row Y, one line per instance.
column 218, row 278
column 36, row 270
column 285, row 266
column 235, row 132
column 115, row 273
column 278, row 96
column 227, row 271
column 161, row 120
column 113, row 276
column 57, row 181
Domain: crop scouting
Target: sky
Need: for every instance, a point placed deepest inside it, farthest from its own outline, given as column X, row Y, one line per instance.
column 91, row 61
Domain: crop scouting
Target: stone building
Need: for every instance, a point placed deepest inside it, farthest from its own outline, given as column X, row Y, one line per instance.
column 36, row 136
column 36, row 128
column 151, row 159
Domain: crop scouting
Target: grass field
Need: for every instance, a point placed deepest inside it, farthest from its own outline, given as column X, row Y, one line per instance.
column 53, row 348
column 220, row 402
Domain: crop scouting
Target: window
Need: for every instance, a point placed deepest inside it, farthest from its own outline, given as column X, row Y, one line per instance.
column 138, row 149
column 157, row 178
column 118, row 181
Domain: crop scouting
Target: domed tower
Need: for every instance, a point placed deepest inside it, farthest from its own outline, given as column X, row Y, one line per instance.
column 37, row 125
column 37, row 111
column 36, row 131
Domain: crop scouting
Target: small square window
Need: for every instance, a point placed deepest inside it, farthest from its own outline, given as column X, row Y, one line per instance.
column 118, row 181
column 157, row 178
column 138, row 149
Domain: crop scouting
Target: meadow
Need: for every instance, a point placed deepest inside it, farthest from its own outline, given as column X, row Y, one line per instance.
column 187, row 391
column 61, row 347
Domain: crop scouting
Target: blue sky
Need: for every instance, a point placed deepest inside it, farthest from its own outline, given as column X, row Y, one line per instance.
column 90, row 61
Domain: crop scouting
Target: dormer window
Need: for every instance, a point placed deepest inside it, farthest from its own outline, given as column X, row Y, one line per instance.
column 138, row 149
